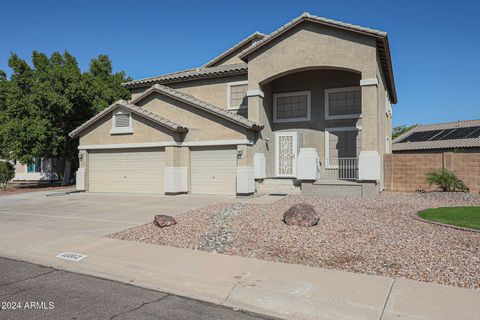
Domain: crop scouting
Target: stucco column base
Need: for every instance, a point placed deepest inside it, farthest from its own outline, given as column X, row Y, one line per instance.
column 175, row 180
column 259, row 165
column 245, row 180
column 80, row 179
column 369, row 166
column 307, row 164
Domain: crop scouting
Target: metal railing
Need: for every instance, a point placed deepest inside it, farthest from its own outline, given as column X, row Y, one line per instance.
column 340, row 169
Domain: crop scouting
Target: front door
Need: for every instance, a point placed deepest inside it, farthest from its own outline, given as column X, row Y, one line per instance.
column 285, row 154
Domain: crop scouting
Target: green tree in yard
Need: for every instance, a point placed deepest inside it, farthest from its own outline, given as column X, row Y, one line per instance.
column 399, row 130
column 7, row 172
column 46, row 101
column 3, row 88
column 103, row 86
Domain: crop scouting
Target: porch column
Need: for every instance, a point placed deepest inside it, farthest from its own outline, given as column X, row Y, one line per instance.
column 255, row 103
column 81, row 184
column 245, row 170
column 176, row 170
column 369, row 165
column 255, row 109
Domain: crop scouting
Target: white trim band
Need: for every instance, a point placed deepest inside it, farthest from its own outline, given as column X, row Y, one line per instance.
column 255, row 93
column 128, row 145
column 369, row 82
column 216, row 143
column 167, row 144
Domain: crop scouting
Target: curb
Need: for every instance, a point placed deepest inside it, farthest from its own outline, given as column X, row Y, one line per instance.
column 417, row 217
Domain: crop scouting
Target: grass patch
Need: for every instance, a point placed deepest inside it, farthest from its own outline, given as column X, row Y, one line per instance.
column 467, row 217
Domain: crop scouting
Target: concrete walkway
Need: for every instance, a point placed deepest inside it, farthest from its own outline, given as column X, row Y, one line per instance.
column 38, row 230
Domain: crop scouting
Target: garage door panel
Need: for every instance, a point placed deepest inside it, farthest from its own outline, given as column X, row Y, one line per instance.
column 132, row 171
column 213, row 171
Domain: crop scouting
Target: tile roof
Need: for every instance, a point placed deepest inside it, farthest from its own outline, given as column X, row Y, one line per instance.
column 437, row 144
column 256, row 35
column 134, row 109
column 383, row 45
column 200, row 104
column 190, row 74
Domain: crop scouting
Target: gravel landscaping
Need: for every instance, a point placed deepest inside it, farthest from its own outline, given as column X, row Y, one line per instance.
column 375, row 236
column 29, row 187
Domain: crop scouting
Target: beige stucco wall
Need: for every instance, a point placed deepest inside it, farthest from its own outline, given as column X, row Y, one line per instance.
column 212, row 90
column 176, row 156
column 202, row 125
column 384, row 120
column 311, row 45
column 143, row 131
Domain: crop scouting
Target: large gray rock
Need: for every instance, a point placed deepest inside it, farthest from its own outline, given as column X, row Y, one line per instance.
column 162, row 220
column 301, row 214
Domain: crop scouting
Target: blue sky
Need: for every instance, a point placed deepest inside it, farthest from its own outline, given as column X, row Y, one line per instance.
column 435, row 44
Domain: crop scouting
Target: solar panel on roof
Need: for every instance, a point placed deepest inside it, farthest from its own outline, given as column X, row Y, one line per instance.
column 446, row 134
column 475, row 133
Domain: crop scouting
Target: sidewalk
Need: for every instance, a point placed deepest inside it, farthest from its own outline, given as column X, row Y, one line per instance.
column 277, row 289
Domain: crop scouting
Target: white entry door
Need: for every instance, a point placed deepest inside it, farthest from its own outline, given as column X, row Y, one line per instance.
column 286, row 154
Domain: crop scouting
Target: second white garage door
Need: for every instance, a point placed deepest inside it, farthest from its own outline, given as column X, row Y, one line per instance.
column 214, row 170
column 131, row 171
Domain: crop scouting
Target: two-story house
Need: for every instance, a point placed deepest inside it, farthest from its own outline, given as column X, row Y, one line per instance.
column 307, row 106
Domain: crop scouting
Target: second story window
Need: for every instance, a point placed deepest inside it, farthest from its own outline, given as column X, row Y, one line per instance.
column 291, row 106
column 237, row 95
column 121, row 122
column 343, row 103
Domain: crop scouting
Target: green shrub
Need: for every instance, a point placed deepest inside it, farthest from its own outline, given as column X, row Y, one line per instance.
column 446, row 180
column 7, row 172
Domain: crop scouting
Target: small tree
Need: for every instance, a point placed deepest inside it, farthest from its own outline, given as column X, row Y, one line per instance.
column 446, row 180
column 7, row 172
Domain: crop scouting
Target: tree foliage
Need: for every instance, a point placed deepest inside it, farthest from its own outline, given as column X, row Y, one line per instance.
column 446, row 180
column 40, row 104
column 7, row 172
column 399, row 130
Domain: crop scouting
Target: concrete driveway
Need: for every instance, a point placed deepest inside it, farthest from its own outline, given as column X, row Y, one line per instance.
column 90, row 213
column 41, row 224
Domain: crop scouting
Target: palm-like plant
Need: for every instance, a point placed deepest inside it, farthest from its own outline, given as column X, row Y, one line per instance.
column 446, row 180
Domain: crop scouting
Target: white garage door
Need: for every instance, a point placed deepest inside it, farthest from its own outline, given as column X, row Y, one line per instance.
column 132, row 171
column 214, row 170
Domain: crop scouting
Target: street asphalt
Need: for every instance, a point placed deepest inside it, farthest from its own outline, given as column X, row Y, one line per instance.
column 29, row 291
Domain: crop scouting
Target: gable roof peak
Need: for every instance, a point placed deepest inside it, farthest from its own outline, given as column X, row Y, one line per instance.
column 134, row 109
column 380, row 36
column 224, row 54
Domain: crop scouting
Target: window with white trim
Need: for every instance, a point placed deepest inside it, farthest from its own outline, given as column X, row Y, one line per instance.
column 237, row 95
column 122, row 122
column 291, row 106
column 342, row 142
column 343, row 103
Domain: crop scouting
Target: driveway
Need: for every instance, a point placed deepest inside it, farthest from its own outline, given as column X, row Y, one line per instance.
column 90, row 213
column 41, row 224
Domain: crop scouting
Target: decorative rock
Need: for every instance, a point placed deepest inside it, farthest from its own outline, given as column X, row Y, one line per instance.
column 301, row 214
column 162, row 220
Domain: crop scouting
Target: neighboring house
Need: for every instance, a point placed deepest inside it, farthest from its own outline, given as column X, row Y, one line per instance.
column 40, row 169
column 309, row 103
column 454, row 146
column 458, row 136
